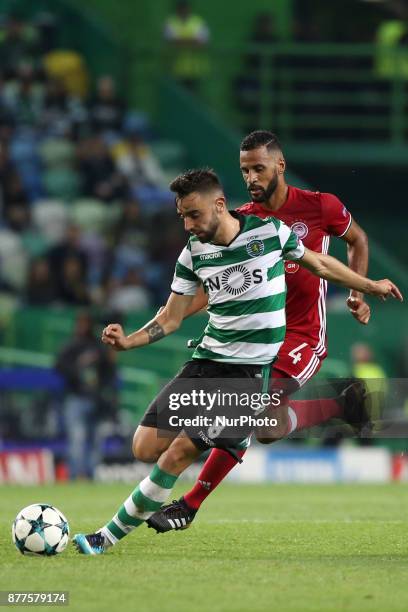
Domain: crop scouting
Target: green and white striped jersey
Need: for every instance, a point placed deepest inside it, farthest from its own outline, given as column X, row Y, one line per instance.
column 245, row 282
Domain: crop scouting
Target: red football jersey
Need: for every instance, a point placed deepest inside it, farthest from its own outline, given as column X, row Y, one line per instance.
column 314, row 217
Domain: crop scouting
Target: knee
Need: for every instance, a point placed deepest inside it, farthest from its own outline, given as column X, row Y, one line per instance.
column 144, row 452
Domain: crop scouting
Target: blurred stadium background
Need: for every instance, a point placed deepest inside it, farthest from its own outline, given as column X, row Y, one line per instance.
column 99, row 109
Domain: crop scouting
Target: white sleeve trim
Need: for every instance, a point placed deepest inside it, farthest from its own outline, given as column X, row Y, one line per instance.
column 347, row 228
column 183, row 286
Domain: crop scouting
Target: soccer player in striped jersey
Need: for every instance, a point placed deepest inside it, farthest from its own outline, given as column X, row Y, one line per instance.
column 239, row 259
column 314, row 217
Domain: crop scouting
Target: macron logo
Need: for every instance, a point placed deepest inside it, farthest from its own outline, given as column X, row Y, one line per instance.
column 216, row 255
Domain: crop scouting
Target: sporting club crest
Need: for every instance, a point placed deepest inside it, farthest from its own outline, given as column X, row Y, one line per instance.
column 255, row 248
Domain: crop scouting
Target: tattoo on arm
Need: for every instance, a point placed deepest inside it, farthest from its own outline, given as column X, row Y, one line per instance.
column 155, row 332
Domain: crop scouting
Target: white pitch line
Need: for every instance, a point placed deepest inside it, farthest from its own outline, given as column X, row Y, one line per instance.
column 294, row 521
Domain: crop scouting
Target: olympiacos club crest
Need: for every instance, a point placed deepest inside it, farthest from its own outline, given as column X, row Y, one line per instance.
column 301, row 230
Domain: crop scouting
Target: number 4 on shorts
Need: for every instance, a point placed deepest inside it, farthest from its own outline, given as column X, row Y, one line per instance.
column 296, row 354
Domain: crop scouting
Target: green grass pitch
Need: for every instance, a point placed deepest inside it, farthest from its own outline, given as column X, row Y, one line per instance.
column 252, row 548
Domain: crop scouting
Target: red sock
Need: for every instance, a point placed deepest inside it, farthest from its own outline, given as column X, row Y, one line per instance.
column 308, row 413
column 218, row 465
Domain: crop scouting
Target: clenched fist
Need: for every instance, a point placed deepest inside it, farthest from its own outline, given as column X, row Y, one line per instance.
column 359, row 309
column 114, row 335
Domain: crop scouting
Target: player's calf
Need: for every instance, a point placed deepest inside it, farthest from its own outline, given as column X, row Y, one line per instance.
column 181, row 453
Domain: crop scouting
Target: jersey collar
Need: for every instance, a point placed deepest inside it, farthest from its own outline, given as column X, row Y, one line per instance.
column 241, row 219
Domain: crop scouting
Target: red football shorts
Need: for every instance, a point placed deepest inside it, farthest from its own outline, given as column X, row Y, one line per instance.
column 297, row 360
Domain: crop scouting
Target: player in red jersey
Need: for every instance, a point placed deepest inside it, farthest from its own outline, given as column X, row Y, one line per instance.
column 314, row 217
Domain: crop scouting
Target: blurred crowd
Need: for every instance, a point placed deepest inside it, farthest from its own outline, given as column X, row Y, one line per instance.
column 86, row 217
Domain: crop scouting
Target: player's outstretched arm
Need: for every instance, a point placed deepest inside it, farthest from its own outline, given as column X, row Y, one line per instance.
column 164, row 323
column 331, row 269
column 357, row 259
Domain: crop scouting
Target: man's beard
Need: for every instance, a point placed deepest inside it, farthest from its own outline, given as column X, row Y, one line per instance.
column 208, row 235
column 266, row 193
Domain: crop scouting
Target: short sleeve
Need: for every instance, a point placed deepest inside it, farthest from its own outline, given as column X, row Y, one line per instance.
column 292, row 246
column 185, row 281
column 336, row 219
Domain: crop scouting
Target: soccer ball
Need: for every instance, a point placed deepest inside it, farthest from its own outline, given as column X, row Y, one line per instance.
column 40, row 529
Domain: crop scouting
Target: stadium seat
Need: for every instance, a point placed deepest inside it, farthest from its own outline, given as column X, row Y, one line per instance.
column 90, row 214
column 153, row 199
column 61, row 183
column 31, row 179
column 57, row 152
column 13, row 259
column 24, row 147
column 35, row 244
column 24, row 154
column 50, row 218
